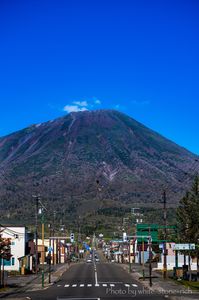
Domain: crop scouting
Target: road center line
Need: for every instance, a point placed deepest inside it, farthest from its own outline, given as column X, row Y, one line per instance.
column 95, row 270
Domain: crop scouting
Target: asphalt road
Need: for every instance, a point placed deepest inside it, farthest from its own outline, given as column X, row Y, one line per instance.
column 94, row 281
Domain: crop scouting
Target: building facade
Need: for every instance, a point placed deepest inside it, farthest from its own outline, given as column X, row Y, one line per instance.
column 18, row 238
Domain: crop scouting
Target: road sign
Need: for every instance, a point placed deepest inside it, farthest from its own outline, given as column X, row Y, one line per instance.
column 50, row 249
column 124, row 237
column 184, row 247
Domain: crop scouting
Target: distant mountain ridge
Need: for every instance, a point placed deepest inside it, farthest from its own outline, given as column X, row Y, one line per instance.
column 63, row 158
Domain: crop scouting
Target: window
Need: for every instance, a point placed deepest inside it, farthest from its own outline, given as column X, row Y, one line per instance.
column 13, row 243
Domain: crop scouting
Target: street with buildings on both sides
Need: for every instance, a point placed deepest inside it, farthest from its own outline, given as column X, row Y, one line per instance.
column 99, row 269
column 96, row 278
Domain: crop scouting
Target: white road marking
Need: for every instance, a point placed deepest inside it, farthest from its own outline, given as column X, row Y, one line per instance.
column 127, row 285
column 81, row 285
column 104, row 285
column 96, row 282
column 114, row 282
column 77, row 298
column 58, row 285
column 97, row 285
column 89, row 285
column 134, row 285
column 67, row 285
column 95, row 268
column 112, row 285
column 74, row 285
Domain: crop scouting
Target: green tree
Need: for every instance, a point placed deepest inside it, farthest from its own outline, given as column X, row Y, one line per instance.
column 188, row 216
column 4, row 252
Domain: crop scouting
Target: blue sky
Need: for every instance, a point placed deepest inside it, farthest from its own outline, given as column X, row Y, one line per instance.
column 140, row 57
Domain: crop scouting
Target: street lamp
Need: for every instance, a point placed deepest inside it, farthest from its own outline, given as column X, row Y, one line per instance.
column 41, row 212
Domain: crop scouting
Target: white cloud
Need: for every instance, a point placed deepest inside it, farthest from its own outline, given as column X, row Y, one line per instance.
column 80, row 103
column 97, row 101
column 143, row 102
column 119, row 107
column 73, row 108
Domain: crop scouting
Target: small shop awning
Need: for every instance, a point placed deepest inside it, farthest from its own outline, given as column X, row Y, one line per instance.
column 118, row 253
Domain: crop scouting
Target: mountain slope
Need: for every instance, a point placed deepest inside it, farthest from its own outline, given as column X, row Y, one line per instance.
column 62, row 159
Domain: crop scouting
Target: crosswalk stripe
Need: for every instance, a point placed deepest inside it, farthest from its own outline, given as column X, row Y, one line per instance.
column 97, row 285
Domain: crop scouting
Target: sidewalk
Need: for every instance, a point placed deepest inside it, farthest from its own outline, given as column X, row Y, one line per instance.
column 33, row 282
column 170, row 288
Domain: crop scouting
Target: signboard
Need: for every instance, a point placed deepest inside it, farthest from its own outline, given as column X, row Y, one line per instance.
column 124, row 237
column 50, row 249
column 184, row 247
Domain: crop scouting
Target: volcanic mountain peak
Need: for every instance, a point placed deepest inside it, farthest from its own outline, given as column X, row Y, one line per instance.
column 66, row 156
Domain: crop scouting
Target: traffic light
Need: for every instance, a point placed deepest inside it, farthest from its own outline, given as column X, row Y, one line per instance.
column 72, row 237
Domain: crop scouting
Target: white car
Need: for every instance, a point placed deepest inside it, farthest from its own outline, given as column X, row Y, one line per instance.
column 89, row 260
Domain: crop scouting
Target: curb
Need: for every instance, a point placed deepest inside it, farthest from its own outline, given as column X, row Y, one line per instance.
column 57, row 274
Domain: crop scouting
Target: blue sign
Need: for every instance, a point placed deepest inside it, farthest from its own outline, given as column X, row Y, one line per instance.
column 86, row 246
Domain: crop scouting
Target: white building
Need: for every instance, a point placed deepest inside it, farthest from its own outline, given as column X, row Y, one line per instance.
column 18, row 237
column 171, row 259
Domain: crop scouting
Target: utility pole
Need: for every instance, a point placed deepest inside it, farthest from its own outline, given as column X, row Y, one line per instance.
column 36, row 232
column 129, row 255
column 165, row 236
column 49, row 267
column 143, row 271
column 43, row 246
column 150, row 258
column 53, row 232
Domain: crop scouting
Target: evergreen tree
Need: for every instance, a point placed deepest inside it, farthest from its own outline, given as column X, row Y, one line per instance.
column 188, row 215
